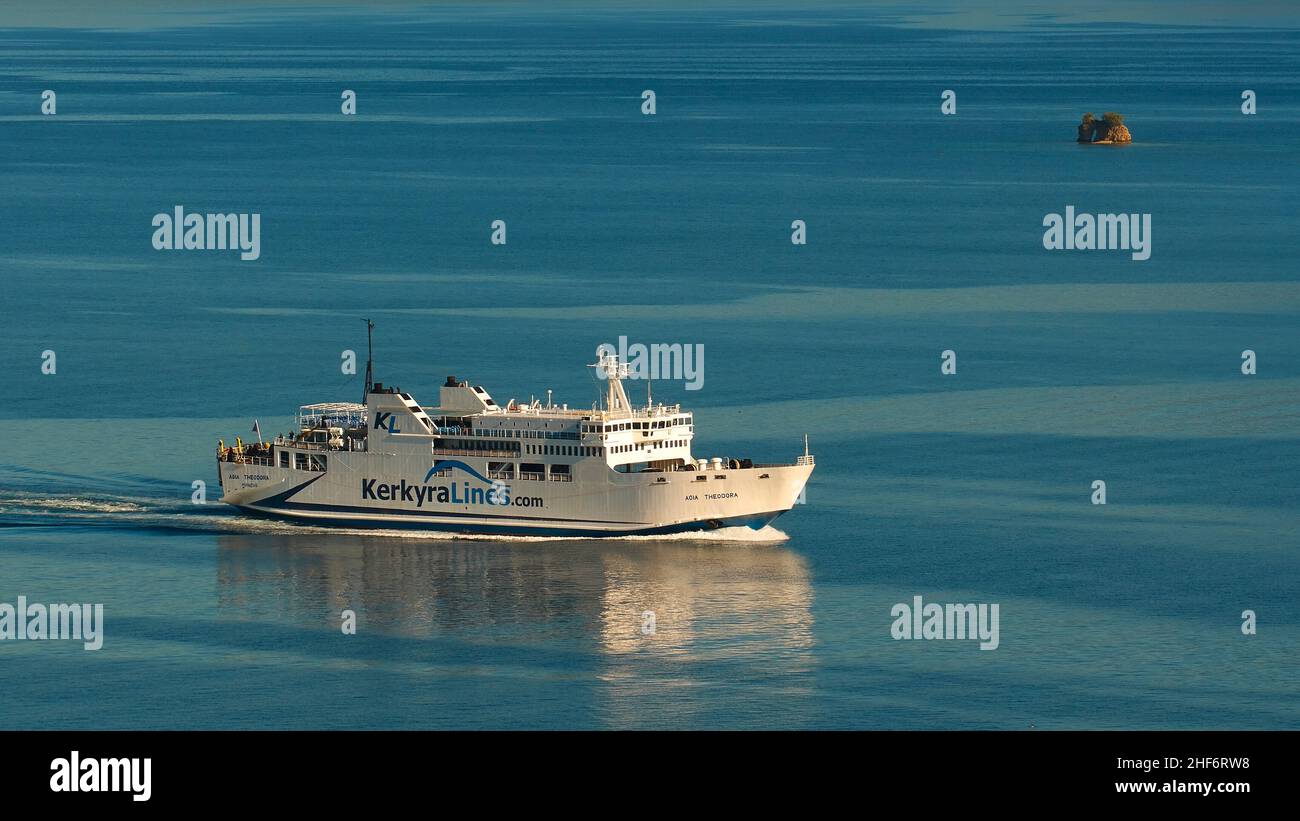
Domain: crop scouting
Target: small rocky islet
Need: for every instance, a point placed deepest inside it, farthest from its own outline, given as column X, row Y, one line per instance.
column 1109, row 130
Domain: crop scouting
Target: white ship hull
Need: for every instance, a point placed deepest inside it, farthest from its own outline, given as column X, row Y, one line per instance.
column 394, row 491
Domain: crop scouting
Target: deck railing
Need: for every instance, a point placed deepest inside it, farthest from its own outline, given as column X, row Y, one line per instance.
column 264, row 461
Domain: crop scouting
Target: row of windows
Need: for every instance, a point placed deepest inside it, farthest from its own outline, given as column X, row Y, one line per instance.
column 474, row 445
column 579, row 450
column 614, row 427
column 506, row 433
column 558, row 450
column 671, row 443
column 503, row 433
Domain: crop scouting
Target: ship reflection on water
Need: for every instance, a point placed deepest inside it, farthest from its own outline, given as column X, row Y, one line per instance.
column 720, row 609
column 698, row 592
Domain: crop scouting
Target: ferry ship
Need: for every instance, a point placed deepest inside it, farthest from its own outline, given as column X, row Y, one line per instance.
column 470, row 465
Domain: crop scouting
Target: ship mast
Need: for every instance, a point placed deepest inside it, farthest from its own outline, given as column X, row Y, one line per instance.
column 370, row 364
column 608, row 366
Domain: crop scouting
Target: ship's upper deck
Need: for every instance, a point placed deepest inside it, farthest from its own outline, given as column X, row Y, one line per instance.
column 564, row 412
column 461, row 400
column 353, row 415
column 535, row 438
column 468, row 419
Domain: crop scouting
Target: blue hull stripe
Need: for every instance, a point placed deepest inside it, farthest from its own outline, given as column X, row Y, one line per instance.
column 278, row 502
column 754, row 521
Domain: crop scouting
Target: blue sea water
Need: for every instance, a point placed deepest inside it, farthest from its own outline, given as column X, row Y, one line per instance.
column 924, row 234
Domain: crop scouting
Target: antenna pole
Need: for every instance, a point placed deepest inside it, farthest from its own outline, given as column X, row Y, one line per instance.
column 370, row 360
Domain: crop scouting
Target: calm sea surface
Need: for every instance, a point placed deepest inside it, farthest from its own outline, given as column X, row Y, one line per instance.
column 924, row 234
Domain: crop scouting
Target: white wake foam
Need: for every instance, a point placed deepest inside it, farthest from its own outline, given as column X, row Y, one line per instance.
column 34, row 504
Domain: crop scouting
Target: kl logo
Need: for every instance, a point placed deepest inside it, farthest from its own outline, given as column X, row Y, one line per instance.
column 386, row 421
